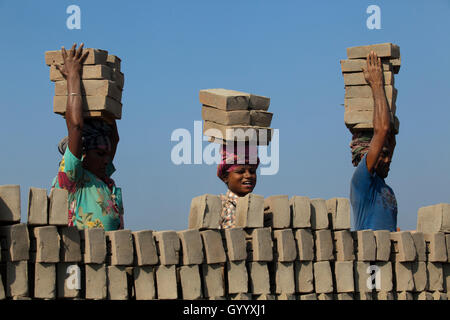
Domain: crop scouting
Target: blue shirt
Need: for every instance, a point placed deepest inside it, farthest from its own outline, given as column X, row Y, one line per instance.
column 373, row 201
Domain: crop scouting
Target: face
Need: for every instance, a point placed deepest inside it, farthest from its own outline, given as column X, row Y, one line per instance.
column 96, row 160
column 242, row 180
column 384, row 161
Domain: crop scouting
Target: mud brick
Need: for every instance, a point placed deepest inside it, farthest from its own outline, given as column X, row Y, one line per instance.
column 250, row 211
column 383, row 295
column 121, row 247
column 192, row 247
column 404, row 279
column 91, row 72
column 365, row 245
column 70, row 244
column 300, row 211
column 304, row 276
column 225, row 99
column 260, row 118
column 277, row 212
column 237, row 277
column 168, row 244
column 259, row 102
column 446, row 273
column 254, row 134
column 241, row 296
column 381, row 49
column 68, row 280
column 37, row 206
column 325, row 296
column 344, row 245
column 361, row 273
column 434, row 218
column 366, row 104
column 284, row 277
column 435, row 276
column 205, row 212
column 113, row 61
column 286, row 296
column 404, row 295
column 261, row 245
column 213, row 281
column 396, row 64
column 423, row 296
column 90, row 103
column 404, row 248
column 16, row 242
column 96, row 281
column 345, row 296
column 324, row 245
column 44, row 281
column 118, row 78
column 323, row 280
column 212, row 243
column 94, row 245
column 144, row 282
column 420, row 245
column 447, row 243
column 191, row 286
column 95, row 56
column 356, row 65
column 228, row 118
column 383, row 244
column 344, row 281
column 47, row 244
column 258, row 280
column 264, row 297
column 117, row 283
column 439, row 295
column 106, row 88
column 364, row 296
column 309, row 296
column 285, row 245
column 145, row 248
column 305, row 244
column 357, row 78
column 10, row 203
column 364, row 91
column 2, row 289
column 339, row 213
column 435, row 247
column 235, row 243
column 319, row 215
column 16, row 283
column 419, row 271
column 384, row 277
column 58, row 211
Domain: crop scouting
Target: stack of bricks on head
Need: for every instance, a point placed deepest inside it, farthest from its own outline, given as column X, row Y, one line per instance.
column 359, row 103
column 281, row 248
column 101, row 85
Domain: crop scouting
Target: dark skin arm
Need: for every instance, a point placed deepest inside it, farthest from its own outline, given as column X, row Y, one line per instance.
column 381, row 114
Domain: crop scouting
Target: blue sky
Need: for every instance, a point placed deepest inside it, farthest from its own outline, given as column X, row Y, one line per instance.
column 287, row 50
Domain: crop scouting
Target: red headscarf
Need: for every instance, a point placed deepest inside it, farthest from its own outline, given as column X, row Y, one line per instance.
column 233, row 156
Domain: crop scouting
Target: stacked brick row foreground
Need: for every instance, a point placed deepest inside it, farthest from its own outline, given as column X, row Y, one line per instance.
column 281, row 248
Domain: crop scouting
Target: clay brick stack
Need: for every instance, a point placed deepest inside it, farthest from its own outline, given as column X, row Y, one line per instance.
column 235, row 116
column 359, row 101
column 101, row 87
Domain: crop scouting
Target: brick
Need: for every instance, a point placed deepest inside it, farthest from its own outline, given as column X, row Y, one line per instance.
column 404, row 295
column 237, row 277
column 356, row 65
column 236, row 244
column 44, row 281
column 365, row 245
column 191, row 247
column 345, row 296
column 304, row 276
column 420, row 245
column 434, row 218
column 260, row 118
column 254, row 134
column 47, row 244
column 144, row 282
column 225, row 99
column 384, row 277
column 212, row 243
column 403, row 244
column 339, row 213
column 16, row 283
column 382, row 295
column 145, row 248
column 241, row 296
column 91, row 72
column 94, row 245
column 285, row 245
column 68, row 280
column 323, row 280
column 113, row 61
column 96, row 281
column 364, row 91
column 381, row 49
column 277, row 212
column 264, row 297
column 90, row 104
column 284, row 277
column 117, row 283
column 447, row 243
column 121, row 247
column 2, row 289
column 258, row 280
column 118, row 78
column 300, row 211
column 435, row 247
column 361, row 274
column 343, row 271
column 17, row 242
column 309, row 296
column 383, row 244
column 58, row 211
column 70, row 244
column 324, row 245
column 95, row 56
column 366, row 104
column 286, row 296
column 446, row 274
column 403, row 276
column 439, row 295
column 423, row 296
column 325, row 296
column 213, row 281
column 205, row 212
column 357, row 78
column 305, row 244
column 319, row 215
column 259, row 102
column 191, row 285
column 364, row 296
column 344, row 245
column 104, row 88
column 420, row 276
column 10, row 203
column 261, row 245
column 435, row 276
column 228, row 118
column 169, row 247
column 250, row 211
column 37, row 206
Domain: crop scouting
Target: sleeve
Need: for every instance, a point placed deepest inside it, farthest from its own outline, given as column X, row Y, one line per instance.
column 70, row 171
column 362, row 178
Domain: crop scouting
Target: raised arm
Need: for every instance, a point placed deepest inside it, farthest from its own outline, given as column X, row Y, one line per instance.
column 381, row 113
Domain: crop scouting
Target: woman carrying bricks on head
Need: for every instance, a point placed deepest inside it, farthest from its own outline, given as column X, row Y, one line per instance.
column 88, row 152
column 238, row 171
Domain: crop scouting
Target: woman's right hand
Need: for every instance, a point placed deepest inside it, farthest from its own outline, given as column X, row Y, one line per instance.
column 72, row 61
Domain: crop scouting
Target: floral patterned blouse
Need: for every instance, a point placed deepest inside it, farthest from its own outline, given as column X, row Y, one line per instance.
column 93, row 203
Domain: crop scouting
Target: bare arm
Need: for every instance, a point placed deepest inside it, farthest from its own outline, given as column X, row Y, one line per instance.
column 381, row 113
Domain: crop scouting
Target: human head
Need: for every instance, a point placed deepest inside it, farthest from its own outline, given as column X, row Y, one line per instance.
column 384, row 160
